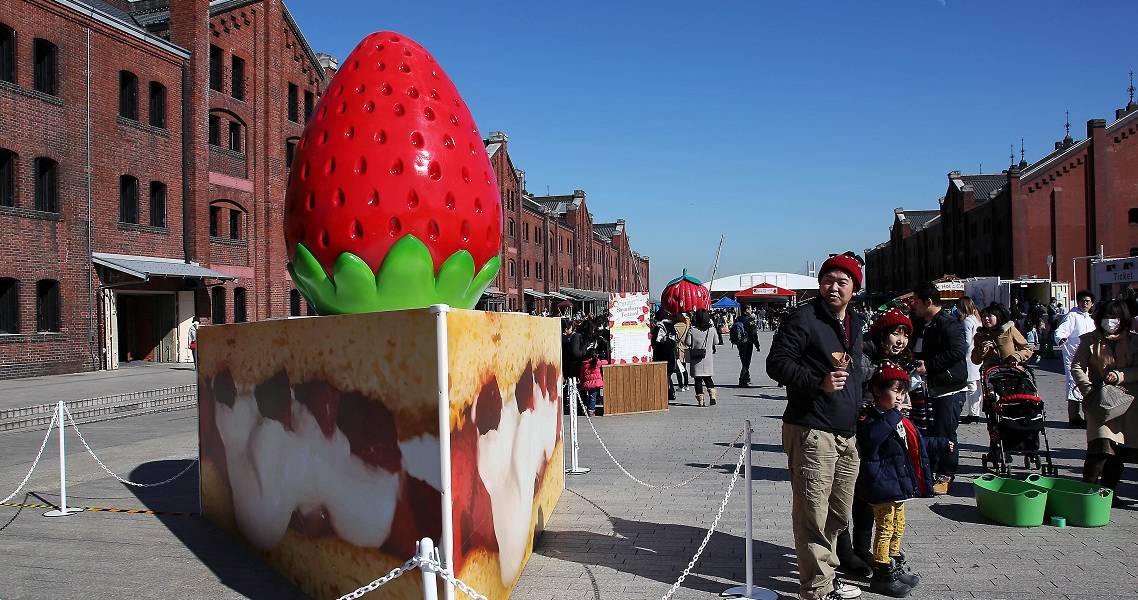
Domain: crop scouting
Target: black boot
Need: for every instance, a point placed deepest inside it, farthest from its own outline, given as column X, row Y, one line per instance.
column 851, row 564
column 886, row 582
column 904, row 573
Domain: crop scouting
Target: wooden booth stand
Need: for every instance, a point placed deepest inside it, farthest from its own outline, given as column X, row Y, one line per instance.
column 633, row 388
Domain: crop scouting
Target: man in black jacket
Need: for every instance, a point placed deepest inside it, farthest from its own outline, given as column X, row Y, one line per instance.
column 941, row 350
column 812, row 355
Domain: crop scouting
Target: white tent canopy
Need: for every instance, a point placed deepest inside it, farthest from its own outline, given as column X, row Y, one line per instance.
column 790, row 281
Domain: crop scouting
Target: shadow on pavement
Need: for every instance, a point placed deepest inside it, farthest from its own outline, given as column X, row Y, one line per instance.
column 235, row 565
column 661, row 551
column 962, row 513
column 758, row 472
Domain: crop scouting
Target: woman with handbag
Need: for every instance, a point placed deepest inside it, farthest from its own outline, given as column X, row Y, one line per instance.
column 1105, row 369
column 683, row 324
column 701, row 339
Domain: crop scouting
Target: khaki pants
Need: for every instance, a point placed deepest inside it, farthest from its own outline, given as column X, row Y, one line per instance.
column 823, row 470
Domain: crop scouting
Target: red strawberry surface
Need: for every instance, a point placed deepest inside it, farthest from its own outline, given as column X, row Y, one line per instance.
column 391, row 151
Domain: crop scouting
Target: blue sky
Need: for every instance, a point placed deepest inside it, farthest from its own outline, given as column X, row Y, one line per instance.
column 794, row 128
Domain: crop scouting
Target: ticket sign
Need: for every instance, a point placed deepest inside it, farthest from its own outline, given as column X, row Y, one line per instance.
column 628, row 321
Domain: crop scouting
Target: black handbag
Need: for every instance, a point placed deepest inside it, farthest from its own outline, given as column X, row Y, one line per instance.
column 698, row 354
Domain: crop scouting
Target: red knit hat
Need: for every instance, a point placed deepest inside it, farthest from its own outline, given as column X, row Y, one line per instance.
column 888, row 371
column 888, row 320
column 846, row 262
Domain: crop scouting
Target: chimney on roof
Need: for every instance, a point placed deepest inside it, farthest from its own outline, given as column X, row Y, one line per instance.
column 499, row 137
column 953, row 174
column 578, row 193
column 521, row 179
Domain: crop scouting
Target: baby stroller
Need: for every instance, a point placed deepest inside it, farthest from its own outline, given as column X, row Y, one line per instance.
column 1016, row 418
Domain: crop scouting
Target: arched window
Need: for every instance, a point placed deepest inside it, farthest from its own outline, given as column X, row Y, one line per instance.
column 47, row 188
column 128, row 95
column 513, row 269
column 510, row 227
column 239, row 314
column 217, row 305
column 128, row 199
column 294, row 303
column 48, row 310
column 235, row 136
column 9, row 305
column 7, row 177
column 157, row 105
column 7, row 54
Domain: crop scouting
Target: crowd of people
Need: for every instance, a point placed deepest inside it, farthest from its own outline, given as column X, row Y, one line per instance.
column 875, row 400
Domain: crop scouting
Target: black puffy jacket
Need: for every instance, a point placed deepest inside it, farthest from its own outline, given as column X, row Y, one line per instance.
column 944, row 350
column 801, row 356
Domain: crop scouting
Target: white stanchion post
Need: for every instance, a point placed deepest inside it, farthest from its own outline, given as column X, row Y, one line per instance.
column 749, row 591
column 426, row 553
column 63, row 510
column 574, row 404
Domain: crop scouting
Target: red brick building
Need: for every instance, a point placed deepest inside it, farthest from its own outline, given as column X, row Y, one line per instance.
column 144, row 156
column 1065, row 205
column 552, row 250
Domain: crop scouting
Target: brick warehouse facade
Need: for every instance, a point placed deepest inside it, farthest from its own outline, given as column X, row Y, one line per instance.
column 185, row 117
column 552, row 251
column 1068, row 204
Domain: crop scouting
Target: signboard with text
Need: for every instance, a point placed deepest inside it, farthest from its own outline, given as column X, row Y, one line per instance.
column 628, row 322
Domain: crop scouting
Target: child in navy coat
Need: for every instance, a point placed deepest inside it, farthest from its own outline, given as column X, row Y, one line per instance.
column 894, row 468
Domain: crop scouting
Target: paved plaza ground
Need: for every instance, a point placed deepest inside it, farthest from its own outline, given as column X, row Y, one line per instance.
column 608, row 539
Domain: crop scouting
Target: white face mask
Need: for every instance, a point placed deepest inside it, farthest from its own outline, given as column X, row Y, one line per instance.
column 1111, row 325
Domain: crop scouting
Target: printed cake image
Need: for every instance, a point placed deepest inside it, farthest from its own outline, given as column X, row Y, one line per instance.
column 320, row 443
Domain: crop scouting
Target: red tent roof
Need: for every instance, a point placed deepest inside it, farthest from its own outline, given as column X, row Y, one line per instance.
column 764, row 290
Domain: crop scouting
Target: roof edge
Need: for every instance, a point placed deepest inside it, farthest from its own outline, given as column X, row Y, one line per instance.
column 118, row 24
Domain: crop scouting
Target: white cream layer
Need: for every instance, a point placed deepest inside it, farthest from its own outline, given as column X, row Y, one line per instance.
column 509, row 459
column 273, row 472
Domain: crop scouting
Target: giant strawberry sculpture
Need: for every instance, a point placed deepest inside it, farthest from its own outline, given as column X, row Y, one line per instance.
column 392, row 202
column 685, row 294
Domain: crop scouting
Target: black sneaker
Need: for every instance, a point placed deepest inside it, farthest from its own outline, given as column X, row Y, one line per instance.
column 904, row 573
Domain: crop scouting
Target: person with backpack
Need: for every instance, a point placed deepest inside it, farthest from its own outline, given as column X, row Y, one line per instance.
column 744, row 334
column 664, row 340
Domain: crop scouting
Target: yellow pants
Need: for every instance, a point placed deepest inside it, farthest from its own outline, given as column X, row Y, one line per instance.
column 888, row 525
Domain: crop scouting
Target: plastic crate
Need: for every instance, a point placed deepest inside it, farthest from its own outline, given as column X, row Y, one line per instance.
column 1010, row 501
column 1082, row 504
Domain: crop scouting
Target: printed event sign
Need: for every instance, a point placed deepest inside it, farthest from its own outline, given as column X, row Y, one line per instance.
column 628, row 321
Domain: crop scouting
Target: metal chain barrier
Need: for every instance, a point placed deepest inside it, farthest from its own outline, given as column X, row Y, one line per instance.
column 112, row 473
column 427, row 564
column 35, row 462
column 711, row 530
column 666, row 486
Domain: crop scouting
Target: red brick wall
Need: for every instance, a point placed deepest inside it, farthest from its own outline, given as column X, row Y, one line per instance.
column 1053, row 195
column 44, row 246
column 1120, row 190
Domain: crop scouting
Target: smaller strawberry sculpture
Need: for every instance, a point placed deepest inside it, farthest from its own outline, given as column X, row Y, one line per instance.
column 685, row 294
column 391, row 203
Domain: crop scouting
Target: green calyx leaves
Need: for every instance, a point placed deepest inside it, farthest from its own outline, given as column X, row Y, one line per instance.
column 406, row 279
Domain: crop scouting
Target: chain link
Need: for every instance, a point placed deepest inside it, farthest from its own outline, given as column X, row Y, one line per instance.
column 35, row 462
column 711, row 530
column 666, row 486
column 112, row 473
column 378, row 583
column 437, row 567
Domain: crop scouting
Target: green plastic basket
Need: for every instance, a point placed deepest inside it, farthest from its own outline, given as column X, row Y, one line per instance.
column 1082, row 504
column 1010, row 501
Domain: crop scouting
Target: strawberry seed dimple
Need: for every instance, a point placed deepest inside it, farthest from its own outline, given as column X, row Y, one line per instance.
column 373, row 199
column 350, row 132
column 406, row 52
column 361, row 88
column 398, row 109
column 323, row 112
column 434, row 94
column 428, row 114
column 394, row 38
column 465, row 230
column 393, row 227
column 339, row 91
column 323, row 238
column 380, row 136
column 338, row 198
column 466, row 175
column 379, row 47
column 343, row 108
column 304, row 172
column 379, row 66
column 324, row 137
column 357, row 230
column 403, row 68
column 434, row 171
column 478, row 206
column 450, row 202
column 412, row 199
column 369, row 106
column 448, row 142
column 385, row 89
column 397, row 167
column 433, row 230
column 310, row 201
column 330, row 166
column 454, row 120
column 361, row 166
column 416, row 139
column 412, row 92
column 356, row 65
